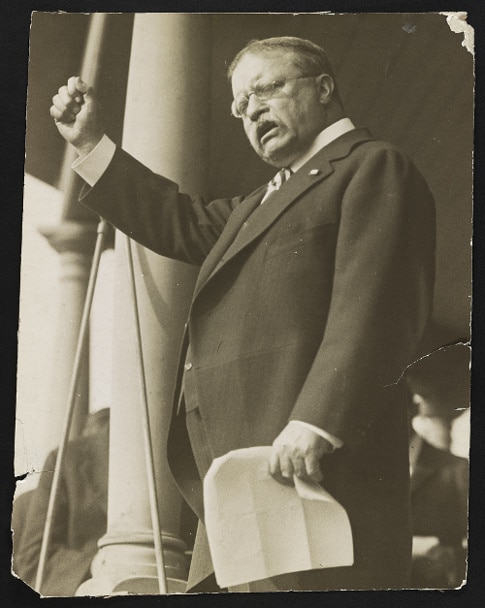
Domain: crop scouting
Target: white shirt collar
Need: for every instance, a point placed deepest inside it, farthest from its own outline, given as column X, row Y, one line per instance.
column 324, row 138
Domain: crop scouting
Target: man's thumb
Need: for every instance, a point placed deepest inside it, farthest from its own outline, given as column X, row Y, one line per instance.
column 82, row 86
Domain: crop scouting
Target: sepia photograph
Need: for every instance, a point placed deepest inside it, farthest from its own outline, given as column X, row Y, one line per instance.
column 245, row 304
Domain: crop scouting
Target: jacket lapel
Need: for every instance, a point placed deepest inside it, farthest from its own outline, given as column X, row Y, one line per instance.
column 251, row 219
column 233, row 226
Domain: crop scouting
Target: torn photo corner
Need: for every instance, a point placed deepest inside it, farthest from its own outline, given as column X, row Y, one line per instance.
column 259, row 528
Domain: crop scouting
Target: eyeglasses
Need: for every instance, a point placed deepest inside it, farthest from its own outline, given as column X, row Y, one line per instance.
column 263, row 92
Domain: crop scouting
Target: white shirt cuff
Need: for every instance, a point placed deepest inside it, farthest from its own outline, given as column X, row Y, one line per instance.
column 92, row 166
column 335, row 441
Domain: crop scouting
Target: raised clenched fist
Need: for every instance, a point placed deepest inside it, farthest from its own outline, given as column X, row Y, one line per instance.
column 77, row 115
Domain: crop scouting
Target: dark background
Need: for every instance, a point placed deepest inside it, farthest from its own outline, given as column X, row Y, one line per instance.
column 410, row 82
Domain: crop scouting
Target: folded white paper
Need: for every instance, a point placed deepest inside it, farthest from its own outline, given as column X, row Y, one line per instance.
column 258, row 528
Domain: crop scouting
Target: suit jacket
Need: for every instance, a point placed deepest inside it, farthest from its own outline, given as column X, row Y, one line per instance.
column 307, row 307
column 79, row 519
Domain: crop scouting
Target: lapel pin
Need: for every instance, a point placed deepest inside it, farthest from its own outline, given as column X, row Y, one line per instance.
column 314, row 172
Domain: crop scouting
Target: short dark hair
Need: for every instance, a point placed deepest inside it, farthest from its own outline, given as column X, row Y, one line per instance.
column 308, row 56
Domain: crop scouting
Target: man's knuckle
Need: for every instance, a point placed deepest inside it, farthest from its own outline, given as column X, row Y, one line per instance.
column 312, row 471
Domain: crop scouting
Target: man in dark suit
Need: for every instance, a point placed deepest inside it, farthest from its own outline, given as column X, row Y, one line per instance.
column 311, row 298
column 79, row 518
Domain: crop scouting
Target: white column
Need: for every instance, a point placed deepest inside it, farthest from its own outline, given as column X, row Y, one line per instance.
column 101, row 331
column 166, row 127
column 74, row 241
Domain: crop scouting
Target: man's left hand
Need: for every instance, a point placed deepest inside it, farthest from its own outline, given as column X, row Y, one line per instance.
column 297, row 451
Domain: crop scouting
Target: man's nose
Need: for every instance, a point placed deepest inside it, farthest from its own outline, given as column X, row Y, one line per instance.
column 255, row 107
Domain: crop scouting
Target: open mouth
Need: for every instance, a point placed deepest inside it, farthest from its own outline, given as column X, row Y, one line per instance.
column 265, row 130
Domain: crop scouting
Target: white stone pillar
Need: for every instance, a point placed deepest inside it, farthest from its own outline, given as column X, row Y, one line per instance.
column 74, row 239
column 166, row 127
column 101, row 331
column 74, row 242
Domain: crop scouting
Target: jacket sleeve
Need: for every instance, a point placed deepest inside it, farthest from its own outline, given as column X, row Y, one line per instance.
column 381, row 296
column 151, row 210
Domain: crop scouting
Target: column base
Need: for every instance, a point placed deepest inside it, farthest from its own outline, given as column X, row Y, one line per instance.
column 127, row 566
column 101, row 587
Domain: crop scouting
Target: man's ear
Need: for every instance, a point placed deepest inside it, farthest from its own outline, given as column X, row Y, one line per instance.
column 326, row 86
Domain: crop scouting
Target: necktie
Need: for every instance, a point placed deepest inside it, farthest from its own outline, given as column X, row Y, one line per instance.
column 278, row 180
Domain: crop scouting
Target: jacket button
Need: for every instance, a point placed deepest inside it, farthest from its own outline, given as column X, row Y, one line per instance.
column 188, row 366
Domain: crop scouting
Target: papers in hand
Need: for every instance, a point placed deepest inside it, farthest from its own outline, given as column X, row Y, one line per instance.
column 258, row 528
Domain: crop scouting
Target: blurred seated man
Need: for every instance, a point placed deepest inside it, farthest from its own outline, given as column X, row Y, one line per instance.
column 439, row 479
column 79, row 518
